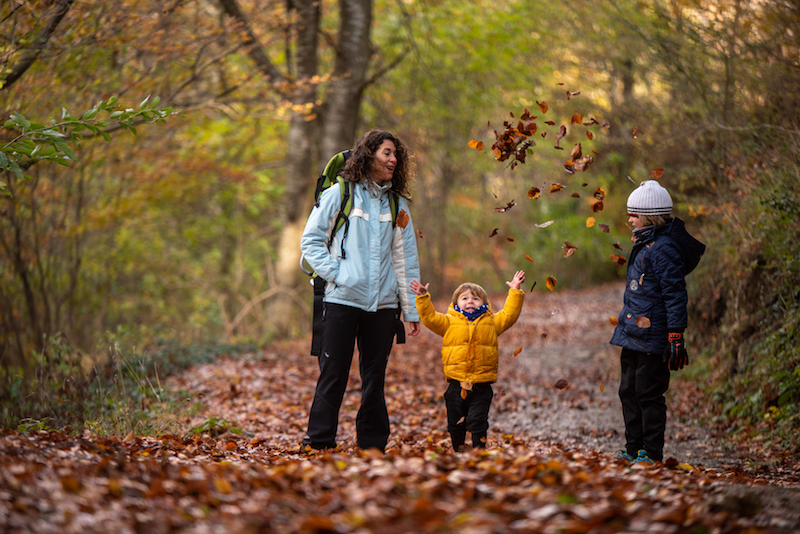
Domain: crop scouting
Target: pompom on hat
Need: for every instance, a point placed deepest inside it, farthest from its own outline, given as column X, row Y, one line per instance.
column 650, row 198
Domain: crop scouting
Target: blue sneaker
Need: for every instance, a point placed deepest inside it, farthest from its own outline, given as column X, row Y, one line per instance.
column 623, row 455
column 643, row 458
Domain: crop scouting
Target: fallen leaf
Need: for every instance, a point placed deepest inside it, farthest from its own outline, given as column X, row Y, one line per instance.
column 130, row 436
column 561, row 383
column 602, row 388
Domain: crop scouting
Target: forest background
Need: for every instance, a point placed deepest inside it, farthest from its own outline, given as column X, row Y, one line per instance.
column 152, row 246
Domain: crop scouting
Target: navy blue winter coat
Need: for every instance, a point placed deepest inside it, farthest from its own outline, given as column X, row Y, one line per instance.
column 655, row 295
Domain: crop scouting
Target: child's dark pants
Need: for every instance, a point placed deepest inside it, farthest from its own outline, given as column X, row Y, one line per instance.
column 468, row 415
column 374, row 331
column 645, row 379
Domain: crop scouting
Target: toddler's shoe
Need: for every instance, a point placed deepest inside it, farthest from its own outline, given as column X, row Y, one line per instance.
column 623, row 455
column 643, row 458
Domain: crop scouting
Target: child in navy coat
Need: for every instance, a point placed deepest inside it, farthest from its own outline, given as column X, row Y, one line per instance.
column 653, row 318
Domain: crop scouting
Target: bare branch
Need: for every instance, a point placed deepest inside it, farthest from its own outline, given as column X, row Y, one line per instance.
column 32, row 54
column 255, row 51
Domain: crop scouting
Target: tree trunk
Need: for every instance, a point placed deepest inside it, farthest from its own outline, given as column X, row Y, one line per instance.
column 338, row 133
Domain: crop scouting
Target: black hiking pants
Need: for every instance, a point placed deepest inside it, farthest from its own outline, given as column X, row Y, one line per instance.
column 342, row 328
column 470, row 414
column 645, row 379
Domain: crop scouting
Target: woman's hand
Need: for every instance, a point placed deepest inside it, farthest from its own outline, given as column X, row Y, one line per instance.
column 414, row 329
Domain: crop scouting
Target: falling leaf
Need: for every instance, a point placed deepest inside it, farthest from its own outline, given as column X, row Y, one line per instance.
column 619, row 260
column 556, row 187
column 636, row 133
column 534, row 192
column 544, row 224
column 597, row 206
column 516, row 352
column 576, row 152
column 616, row 245
column 551, row 282
column 590, row 222
column 576, row 195
column 551, row 123
column 419, row 233
column 590, row 122
column 590, row 135
column 466, row 385
column 643, row 322
column 503, row 209
column 544, row 335
column 477, row 145
column 527, row 258
column 561, row 383
column 600, row 194
column 562, row 131
column 604, row 228
column 402, row 219
column 613, row 320
column 510, row 239
column 655, row 174
column 463, row 418
column 534, row 285
column 542, row 106
column 569, row 249
column 463, row 393
column 494, row 232
column 576, row 119
column 606, row 125
column 583, row 163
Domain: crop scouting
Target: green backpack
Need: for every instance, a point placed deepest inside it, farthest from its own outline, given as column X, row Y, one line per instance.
column 330, row 176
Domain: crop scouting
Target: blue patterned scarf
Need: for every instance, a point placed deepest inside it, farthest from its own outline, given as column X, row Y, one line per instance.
column 471, row 316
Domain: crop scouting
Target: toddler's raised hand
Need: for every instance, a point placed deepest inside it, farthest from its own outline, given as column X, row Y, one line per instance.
column 418, row 288
column 515, row 282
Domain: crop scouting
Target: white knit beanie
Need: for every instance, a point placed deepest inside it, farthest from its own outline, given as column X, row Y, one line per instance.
column 650, row 198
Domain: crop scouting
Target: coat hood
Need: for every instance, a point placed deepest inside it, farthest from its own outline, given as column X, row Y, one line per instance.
column 691, row 248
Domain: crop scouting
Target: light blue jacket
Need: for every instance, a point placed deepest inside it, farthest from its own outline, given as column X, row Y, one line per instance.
column 379, row 261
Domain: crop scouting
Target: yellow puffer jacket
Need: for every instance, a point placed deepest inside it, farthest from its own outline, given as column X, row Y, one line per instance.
column 469, row 349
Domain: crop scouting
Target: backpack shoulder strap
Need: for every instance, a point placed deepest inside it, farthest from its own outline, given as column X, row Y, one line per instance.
column 345, row 207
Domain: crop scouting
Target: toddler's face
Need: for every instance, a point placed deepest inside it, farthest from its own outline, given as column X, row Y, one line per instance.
column 469, row 302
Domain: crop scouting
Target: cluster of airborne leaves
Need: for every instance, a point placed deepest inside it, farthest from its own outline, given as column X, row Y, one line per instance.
column 517, row 138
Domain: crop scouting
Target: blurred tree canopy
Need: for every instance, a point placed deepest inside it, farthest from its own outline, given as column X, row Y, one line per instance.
column 190, row 231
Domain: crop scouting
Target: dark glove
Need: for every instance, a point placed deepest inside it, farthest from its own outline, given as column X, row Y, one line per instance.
column 675, row 353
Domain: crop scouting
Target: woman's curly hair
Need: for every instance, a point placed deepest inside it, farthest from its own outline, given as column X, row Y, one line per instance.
column 359, row 163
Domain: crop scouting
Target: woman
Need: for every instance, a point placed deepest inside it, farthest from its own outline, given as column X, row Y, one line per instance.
column 367, row 278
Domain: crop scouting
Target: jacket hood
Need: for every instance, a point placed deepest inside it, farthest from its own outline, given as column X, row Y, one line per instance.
column 691, row 248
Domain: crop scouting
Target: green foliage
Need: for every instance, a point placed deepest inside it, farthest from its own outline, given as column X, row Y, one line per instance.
column 31, row 142
column 70, row 390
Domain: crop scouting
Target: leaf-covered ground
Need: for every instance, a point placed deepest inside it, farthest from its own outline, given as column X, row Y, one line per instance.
column 549, row 465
